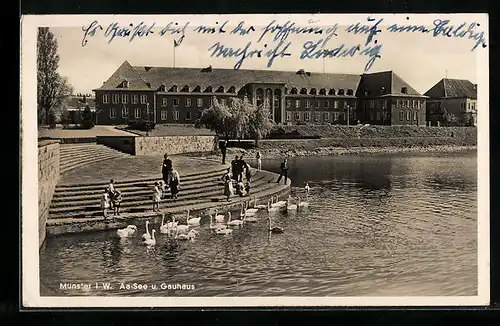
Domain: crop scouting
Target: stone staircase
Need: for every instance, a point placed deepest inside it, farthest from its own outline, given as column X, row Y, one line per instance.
column 76, row 155
column 201, row 189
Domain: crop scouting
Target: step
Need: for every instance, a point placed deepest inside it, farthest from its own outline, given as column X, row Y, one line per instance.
column 131, row 182
column 83, row 151
column 146, row 204
column 130, row 195
column 90, row 158
column 67, row 168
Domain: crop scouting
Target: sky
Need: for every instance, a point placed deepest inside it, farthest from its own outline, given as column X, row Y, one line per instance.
column 420, row 59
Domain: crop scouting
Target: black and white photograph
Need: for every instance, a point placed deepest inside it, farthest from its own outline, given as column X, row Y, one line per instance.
column 255, row 160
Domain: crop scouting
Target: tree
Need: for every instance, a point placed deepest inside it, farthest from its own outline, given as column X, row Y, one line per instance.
column 260, row 122
column 52, row 89
column 87, row 121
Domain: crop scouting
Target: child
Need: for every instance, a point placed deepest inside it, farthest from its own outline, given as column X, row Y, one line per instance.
column 156, row 197
column 259, row 160
column 117, row 199
column 105, row 203
column 240, row 188
column 175, row 183
column 247, row 186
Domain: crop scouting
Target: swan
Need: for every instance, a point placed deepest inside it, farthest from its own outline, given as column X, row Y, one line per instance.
column 289, row 206
column 224, row 231
column 245, row 211
column 195, row 221
column 250, row 211
column 152, row 240
column 249, row 218
column 183, row 228
column 215, row 226
column 234, row 222
column 186, row 236
column 164, row 227
column 274, row 229
column 126, row 232
column 280, row 203
column 172, row 224
column 271, row 209
column 302, row 204
column 219, row 218
column 262, row 206
column 146, row 235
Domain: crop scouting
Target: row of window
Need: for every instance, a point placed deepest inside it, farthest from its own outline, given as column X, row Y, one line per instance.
column 307, row 116
column 137, row 114
column 199, row 102
column 470, row 106
column 317, row 104
column 124, row 98
column 408, row 115
column 415, row 104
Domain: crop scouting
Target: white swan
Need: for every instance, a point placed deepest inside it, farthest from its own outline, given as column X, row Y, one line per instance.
column 219, row 218
column 234, row 222
column 262, row 206
column 183, row 228
column 280, row 203
column 215, row 226
column 172, row 224
column 250, row 211
column 271, row 209
column 126, row 232
column 195, row 221
column 302, row 204
column 186, row 236
column 224, row 231
column 152, row 240
column 245, row 211
column 250, row 219
column 289, row 206
column 146, row 235
column 164, row 227
column 274, row 229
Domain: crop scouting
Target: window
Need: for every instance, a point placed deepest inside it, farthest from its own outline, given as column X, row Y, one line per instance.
column 336, row 116
column 372, row 104
column 418, row 104
column 379, row 104
column 297, row 104
column 398, row 103
column 469, row 106
column 199, row 102
column 124, row 98
column 404, row 90
column 407, row 103
column 276, row 101
column 288, row 115
column 336, row 104
column 408, row 115
column 327, row 104
column 258, row 98
column 308, row 104
column 316, row 116
column 415, row 103
column 401, row 115
column 378, row 115
column 176, row 115
column 124, row 113
column 188, row 102
column 288, row 103
column 134, row 99
column 385, row 103
column 415, row 115
column 164, row 101
column 144, row 98
column 163, row 114
column 176, row 102
column 125, row 83
column 116, row 98
column 317, row 103
column 297, row 116
column 105, row 98
column 137, row 113
column 326, row 116
column 307, row 116
column 188, row 115
column 372, row 115
column 112, row 113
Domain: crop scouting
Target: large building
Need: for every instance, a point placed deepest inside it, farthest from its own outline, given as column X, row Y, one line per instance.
column 452, row 101
column 178, row 95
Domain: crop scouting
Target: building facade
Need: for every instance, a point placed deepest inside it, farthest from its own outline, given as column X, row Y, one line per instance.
column 452, row 102
column 178, row 95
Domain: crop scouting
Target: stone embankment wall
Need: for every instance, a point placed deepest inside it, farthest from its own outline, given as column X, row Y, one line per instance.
column 48, row 176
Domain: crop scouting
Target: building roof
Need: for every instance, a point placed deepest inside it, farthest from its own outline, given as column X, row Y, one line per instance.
column 447, row 87
column 76, row 102
column 383, row 84
column 138, row 78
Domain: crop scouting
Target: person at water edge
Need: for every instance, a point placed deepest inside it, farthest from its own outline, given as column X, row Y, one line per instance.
column 234, row 167
column 174, row 183
column 248, row 172
column 240, row 189
column 157, row 194
column 105, row 203
column 284, row 170
column 166, row 169
column 223, row 149
column 111, row 192
column 228, row 184
column 116, row 200
column 241, row 166
column 258, row 156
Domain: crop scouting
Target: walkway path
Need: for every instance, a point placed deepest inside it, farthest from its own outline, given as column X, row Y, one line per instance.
column 82, row 133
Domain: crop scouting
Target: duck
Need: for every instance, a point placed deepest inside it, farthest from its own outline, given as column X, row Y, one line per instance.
column 218, row 217
column 274, row 229
column 234, row 222
column 164, row 227
column 195, row 221
column 302, row 204
column 270, row 208
column 151, row 241
column 146, row 235
column 289, row 206
column 126, row 232
column 261, row 206
column 215, row 226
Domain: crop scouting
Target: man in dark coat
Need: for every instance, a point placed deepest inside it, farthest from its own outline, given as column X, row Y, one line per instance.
column 166, row 170
column 234, row 168
column 241, row 166
column 223, row 149
column 284, row 170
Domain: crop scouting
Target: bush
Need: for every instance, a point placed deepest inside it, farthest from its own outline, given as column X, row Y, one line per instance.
column 143, row 125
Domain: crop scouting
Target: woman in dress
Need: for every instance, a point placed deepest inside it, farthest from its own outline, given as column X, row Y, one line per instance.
column 105, row 203
column 174, row 183
column 259, row 160
column 228, row 185
column 157, row 193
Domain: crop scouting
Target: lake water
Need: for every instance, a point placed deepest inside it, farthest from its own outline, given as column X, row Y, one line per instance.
column 377, row 225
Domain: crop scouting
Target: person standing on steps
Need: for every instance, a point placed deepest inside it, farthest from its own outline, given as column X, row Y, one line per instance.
column 223, row 149
column 258, row 156
column 105, row 203
column 228, row 184
column 166, row 170
column 284, row 170
column 156, row 197
column 241, row 166
column 116, row 200
column 174, row 183
column 234, row 168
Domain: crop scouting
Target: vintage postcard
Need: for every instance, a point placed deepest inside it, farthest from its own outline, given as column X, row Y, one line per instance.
column 255, row 160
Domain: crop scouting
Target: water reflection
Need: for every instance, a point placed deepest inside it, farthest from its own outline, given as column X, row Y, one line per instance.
column 376, row 225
